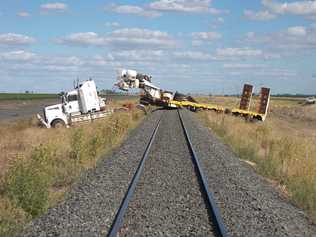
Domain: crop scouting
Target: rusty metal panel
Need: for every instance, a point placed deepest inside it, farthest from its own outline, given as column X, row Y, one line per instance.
column 246, row 97
column 264, row 99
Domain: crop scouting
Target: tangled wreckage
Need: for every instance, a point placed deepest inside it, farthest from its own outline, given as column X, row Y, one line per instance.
column 83, row 104
column 153, row 95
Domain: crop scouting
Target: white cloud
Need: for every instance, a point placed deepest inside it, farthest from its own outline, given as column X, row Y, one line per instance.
column 64, row 61
column 275, row 72
column 245, row 53
column 122, row 38
column 206, row 35
column 250, row 34
column 24, row 14
column 297, row 31
column 29, row 57
column 259, row 16
column 140, row 55
column 136, row 10
column 35, row 63
column 112, row 24
column 238, row 52
column 311, row 17
column 57, row 6
column 141, row 37
column 83, row 39
column 138, row 32
column 193, row 55
column 219, row 20
column 243, row 66
column 216, row 22
column 215, row 11
column 189, row 6
column 99, row 61
column 20, row 55
column 297, row 8
column 12, row 39
column 293, row 40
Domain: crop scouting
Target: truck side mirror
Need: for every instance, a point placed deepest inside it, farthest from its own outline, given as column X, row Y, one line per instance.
column 63, row 99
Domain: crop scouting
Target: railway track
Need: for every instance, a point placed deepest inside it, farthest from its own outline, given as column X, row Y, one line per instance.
column 213, row 225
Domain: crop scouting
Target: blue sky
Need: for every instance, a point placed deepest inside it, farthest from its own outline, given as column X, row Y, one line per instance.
column 207, row 46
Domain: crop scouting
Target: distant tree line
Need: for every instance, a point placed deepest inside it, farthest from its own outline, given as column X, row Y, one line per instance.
column 113, row 92
column 274, row 95
column 293, row 95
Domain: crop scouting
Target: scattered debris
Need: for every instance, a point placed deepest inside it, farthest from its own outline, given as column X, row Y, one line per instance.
column 310, row 100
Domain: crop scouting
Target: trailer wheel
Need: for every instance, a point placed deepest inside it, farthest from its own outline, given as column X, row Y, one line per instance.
column 193, row 108
column 58, row 123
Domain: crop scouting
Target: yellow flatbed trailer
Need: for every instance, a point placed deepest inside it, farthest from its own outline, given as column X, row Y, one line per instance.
column 249, row 114
column 194, row 106
column 243, row 110
column 238, row 112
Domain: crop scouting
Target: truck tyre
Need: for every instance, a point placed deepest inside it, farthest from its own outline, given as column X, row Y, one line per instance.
column 58, row 123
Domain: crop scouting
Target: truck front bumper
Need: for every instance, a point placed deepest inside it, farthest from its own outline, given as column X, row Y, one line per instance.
column 42, row 121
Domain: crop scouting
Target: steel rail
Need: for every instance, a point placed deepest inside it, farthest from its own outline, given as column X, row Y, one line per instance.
column 214, row 211
column 117, row 223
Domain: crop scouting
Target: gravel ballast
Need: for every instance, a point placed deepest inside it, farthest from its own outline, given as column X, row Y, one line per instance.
column 250, row 206
column 167, row 200
column 90, row 207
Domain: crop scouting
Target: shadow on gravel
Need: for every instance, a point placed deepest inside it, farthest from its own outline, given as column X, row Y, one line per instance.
column 162, row 108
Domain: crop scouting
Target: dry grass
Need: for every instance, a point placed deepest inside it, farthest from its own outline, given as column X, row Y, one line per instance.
column 282, row 148
column 37, row 166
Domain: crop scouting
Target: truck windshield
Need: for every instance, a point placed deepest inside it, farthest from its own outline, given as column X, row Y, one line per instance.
column 72, row 98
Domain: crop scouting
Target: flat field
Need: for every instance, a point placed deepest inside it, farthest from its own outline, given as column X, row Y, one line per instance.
column 26, row 96
column 22, row 109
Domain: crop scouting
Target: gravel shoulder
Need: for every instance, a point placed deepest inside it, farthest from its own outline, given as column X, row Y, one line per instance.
column 250, row 206
column 90, row 207
column 167, row 200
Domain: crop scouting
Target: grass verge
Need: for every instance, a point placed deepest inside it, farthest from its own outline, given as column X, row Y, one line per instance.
column 277, row 154
column 38, row 166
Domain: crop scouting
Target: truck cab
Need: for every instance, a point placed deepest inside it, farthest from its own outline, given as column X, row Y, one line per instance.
column 70, row 102
column 80, row 104
column 54, row 116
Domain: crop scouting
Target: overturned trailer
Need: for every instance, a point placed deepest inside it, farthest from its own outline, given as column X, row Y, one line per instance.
column 261, row 107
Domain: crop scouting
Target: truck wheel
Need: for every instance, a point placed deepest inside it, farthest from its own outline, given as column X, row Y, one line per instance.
column 58, row 123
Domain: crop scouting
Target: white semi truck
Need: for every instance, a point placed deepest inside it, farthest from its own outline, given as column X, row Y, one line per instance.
column 79, row 105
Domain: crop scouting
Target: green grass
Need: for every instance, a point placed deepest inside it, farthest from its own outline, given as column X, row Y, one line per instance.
column 26, row 96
